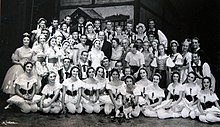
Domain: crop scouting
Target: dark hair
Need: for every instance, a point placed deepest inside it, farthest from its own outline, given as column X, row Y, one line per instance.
column 191, row 72
column 139, row 75
column 48, row 74
column 41, row 19
column 117, row 40
column 131, row 77
column 195, row 38
column 115, row 70
column 83, row 52
column 149, row 20
column 25, row 64
column 63, row 24
column 87, row 72
column 49, row 42
column 79, row 72
column 158, row 75
column 100, row 67
column 118, row 62
column 26, row 34
column 135, row 45
column 175, row 72
column 84, row 35
column 67, row 58
column 55, row 18
column 45, row 29
column 209, row 81
column 105, row 58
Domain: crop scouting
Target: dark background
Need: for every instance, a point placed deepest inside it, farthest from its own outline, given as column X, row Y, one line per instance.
column 187, row 20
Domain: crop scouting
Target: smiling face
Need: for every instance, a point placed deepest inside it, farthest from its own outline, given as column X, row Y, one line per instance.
column 52, row 78
column 185, row 47
column 174, row 47
column 90, row 28
column 97, row 24
column 91, row 72
column 28, row 68
column 26, row 41
column 151, row 24
column 156, row 79
column 42, row 39
column 53, row 42
column 206, row 83
column 114, row 43
column 143, row 73
column 97, row 44
column 75, row 72
column 146, row 46
column 66, row 63
column 127, row 71
column 191, row 77
column 100, row 72
column 115, row 75
column 161, row 50
column 129, row 82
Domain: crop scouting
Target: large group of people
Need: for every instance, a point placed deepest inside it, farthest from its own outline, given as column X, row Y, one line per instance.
column 75, row 68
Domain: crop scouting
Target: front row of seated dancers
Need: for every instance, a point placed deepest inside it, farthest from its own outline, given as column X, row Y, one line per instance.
column 121, row 96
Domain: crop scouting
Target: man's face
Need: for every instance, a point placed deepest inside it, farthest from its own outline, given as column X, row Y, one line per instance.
column 83, row 39
column 101, row 35
column 195, row 58
column 55, row 23
column 97, row 24
column 195, row 44
column 66, row 63
column 81, row 20
column 108, row 25
column 133, row 50
column 105, row 62
column 68, row 20
column 129, row 27
column 84, row 56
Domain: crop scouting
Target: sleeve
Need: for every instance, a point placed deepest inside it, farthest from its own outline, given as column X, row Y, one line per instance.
column 154, row 63
column 169, row 88
column 65, row 82
column 127, row 57
column 206, row 70
column 169, row 62
column 15, row 55
column 162, row 94
column 189, row 57
column 162, row 38
column 179, row 60
column 45, row 90
column 214, row 97
column 108, row 86
column 137, row 91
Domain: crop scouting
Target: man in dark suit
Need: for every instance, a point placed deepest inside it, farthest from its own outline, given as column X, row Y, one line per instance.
column 106, row 46
column 80, row 26
column 64, row 72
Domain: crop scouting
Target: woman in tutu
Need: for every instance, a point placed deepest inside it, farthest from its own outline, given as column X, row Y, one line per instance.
column 154, row 95
column 90, row 93
column 191, row 89
column 19, row 57
column 72, row 91
column 175, row 98
column 50, row 102
column 114, row 99
column 96, row 55
column 25, row 86
column 130, row 94
column 208, row 107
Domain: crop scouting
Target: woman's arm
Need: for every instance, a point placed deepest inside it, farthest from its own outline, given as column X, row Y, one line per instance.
column 96, row 96
column 33, row 92
column 54, row 97
column 112, row 98
column 156, row 104
column 84, row 95
column 179, row 99
column 168, row 96
column 41, row 101
column 217, row 105
column 200, row 108
column 17, row 91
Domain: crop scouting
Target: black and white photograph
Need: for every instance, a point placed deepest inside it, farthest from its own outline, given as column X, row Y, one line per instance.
column 109, row 63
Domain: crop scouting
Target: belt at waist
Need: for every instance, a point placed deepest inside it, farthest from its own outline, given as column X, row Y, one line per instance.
column 53, row 60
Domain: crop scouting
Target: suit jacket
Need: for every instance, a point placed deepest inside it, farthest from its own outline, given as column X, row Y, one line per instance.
column 76, row 28
column 61, row 75
column 107, row 49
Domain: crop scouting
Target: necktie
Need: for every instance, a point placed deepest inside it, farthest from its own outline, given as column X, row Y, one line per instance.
column 84, row 68
column 107, row 74
column 67, row 74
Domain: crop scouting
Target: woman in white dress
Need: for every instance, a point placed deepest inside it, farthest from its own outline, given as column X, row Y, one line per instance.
column 19, row 57
column 52, row 56
column 191, row 89
column 90, row 93
column 96, row 55
column 50, row 102
column 25, row 86
column 208, row 106
column 72, row 92
column 114, row 99
column 91, row 35
column 154, row 96
column 175, row 103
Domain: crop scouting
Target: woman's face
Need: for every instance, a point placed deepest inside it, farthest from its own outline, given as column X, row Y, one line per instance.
column 140, row 29
column 185, row 47
column 97, row 44
column 97, row 24
column 146, row 46
column 151, row 24
column 175, row 78
column 206, row 83
column 118, row 30
column 156, row 79
column 52, row 78
column 129, row 82
column 115, row 75
column 143, row 73
column 42, row 39
column 26, row 41
column 161, row 50
column 91, row 73
column 64, row 27
column 191, row 77
column 53, row 42
column 100, row 72
column 174, row 47
column 154, row 45
column 75, row 72
column 90, row 29
column 42, row 24
column 127, row 71
column 66, row 45
column 75, row 35
column 114, row 43
column 28, row 68
column 59, row 40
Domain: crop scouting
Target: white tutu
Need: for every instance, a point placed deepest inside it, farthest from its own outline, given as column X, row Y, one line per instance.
column 105, row 99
